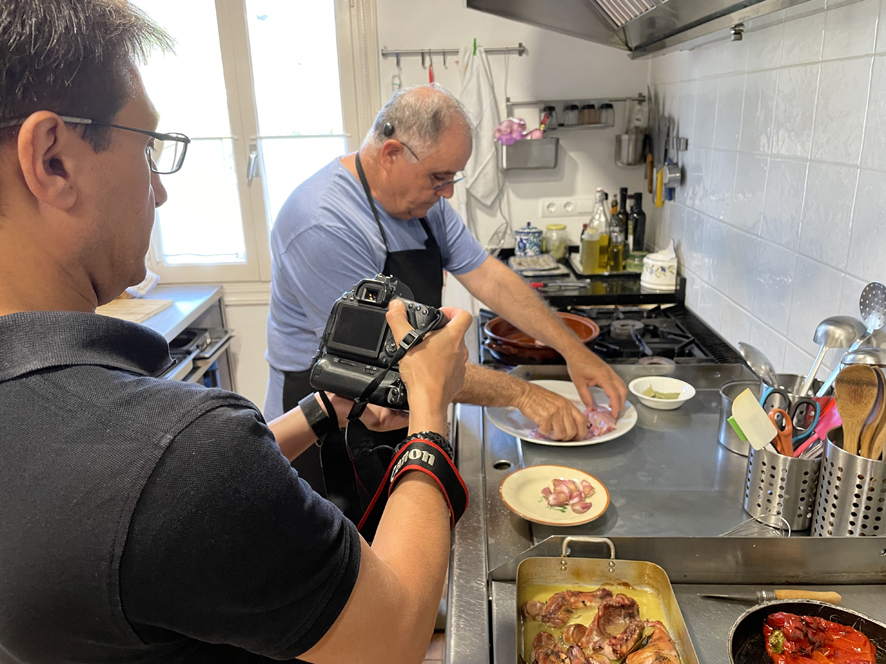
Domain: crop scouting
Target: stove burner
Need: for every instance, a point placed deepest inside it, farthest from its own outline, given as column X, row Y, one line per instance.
column 657, row 360
column 624, row 329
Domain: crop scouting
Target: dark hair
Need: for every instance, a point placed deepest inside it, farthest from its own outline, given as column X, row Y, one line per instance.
column 72, row 57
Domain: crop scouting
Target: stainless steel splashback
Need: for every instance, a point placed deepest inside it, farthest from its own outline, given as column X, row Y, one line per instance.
column 641, row 27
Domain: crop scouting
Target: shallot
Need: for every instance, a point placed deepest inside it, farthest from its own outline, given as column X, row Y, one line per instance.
column 568, row 492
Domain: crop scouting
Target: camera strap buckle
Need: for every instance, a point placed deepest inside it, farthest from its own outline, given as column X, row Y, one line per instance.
column 408, row 341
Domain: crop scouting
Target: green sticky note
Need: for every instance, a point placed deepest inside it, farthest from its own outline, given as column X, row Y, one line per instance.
column 737, row 428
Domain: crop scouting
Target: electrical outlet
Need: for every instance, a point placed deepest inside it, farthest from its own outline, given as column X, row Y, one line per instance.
column 567, row 207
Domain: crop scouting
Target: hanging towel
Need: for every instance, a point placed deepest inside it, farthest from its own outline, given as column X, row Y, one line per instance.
column 483, row 179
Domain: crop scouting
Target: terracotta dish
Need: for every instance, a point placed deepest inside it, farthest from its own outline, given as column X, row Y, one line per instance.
column 509, row 344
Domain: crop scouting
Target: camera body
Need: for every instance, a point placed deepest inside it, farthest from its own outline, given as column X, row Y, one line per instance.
column 359, row 344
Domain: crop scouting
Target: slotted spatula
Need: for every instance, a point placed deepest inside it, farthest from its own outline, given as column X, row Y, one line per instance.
column 872, row 306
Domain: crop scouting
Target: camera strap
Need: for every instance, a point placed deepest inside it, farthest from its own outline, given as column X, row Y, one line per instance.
column 425, row 456
column 412, row 338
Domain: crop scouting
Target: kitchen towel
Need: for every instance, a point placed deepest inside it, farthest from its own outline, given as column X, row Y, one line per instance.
column 482, row 180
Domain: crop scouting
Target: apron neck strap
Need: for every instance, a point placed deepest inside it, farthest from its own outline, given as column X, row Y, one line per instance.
column 371, row 200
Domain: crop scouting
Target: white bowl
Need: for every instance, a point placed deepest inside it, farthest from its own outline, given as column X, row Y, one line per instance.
column 661, row 384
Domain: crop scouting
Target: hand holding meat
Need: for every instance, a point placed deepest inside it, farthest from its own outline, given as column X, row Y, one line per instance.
column 557, row 417
column 589, row 370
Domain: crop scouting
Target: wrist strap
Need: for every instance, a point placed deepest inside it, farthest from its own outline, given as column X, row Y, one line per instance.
column 427, row 457
column 320, row 421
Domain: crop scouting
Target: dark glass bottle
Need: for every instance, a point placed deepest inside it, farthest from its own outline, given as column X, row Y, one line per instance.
column 618, row 234
column 639, row 219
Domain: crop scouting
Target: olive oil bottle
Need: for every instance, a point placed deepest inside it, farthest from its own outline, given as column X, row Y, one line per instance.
column 617, row 235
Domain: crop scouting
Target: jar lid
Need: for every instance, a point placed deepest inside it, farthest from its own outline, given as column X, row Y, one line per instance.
column 605, row 105
column 572, row 107
column 588, row 106
column 556, row 227
column 547, row 109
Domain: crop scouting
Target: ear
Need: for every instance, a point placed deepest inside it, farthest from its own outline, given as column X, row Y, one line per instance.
column 390, row 152
column 49, row 155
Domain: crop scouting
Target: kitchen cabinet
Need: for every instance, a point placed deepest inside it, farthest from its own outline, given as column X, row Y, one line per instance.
column 196, row 306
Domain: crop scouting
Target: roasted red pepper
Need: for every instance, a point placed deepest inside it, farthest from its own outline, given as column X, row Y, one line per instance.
column 792, row 639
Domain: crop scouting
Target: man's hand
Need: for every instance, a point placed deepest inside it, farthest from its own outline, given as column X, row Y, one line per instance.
column 556, row 416
column 586, row 369
column 434, row 370
column 374, row 417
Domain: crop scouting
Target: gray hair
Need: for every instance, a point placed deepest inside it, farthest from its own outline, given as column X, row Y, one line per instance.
column 419, row 116
column 72, row 57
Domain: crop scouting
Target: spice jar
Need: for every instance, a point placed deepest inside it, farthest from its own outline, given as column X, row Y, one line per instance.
column 587, row 115
column 556, row 241
column 549, row 112
column 527, row 241
column 606, row 115
column 570, row 115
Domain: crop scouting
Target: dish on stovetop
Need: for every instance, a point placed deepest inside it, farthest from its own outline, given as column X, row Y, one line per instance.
column 512, row 421
column 521, row 492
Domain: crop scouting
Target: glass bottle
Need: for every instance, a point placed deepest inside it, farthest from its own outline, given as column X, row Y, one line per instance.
column 639, row 218
column 629, row 205
column 617, row 231
column 587, row 250
column 600, row 224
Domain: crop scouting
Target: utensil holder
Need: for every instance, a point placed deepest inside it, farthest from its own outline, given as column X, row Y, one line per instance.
column 781, row 486
column 851, row 497
column 726, row 434
column 629, row 149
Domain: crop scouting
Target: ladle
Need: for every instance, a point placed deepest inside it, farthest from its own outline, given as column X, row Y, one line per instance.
column 759, row 363
column 833, row 332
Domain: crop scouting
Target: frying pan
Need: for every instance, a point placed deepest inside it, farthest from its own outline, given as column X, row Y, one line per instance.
column 746, row 645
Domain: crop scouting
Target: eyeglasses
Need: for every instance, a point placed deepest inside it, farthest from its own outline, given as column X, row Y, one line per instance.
column 166, row 153
column 435, row 179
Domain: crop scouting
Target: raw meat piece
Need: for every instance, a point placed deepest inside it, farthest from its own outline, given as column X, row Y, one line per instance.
column 561, row 605
column 659, row 649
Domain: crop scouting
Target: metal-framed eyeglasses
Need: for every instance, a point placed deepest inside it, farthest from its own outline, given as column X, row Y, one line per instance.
column 166, row 153
column 437, row 182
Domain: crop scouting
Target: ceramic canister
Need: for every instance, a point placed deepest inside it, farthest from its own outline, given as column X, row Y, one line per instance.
column 527, row 241
column 659, row 272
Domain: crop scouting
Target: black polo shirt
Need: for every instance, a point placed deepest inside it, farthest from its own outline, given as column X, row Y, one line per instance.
column 149, row 520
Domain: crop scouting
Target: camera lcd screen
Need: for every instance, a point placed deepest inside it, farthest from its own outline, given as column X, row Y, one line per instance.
column 359, row 329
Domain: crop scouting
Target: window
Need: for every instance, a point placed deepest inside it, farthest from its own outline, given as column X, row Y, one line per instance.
column 265, row 90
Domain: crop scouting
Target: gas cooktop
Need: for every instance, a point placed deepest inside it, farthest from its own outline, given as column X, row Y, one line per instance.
column 636, row 335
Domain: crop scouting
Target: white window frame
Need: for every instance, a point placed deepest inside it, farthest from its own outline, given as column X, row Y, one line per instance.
column 358, row 55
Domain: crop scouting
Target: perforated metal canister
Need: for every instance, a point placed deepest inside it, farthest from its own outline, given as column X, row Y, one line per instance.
column 851, row 497
column 781, row 486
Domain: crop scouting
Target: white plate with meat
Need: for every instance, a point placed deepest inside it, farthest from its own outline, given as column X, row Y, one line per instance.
column 512, row 421
column 554, row 495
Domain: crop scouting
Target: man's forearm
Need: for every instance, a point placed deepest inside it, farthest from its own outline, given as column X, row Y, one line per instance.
column 510, row 297
column 485, row 387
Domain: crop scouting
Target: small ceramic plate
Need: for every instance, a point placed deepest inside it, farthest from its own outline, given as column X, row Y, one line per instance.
column 512, row 421
column 521, row 493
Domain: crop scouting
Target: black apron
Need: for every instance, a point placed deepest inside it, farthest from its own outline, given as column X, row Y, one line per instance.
column 348, row 473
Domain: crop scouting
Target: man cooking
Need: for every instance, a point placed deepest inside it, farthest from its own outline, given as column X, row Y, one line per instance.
column 382, row 210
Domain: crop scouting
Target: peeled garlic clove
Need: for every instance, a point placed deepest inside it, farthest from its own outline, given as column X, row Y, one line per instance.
column 546, row 491
column 576, row 497
column 586, row 488
column 557, row 499
column 581, row 508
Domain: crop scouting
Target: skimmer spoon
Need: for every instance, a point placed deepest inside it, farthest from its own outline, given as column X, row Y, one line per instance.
column 872, row 306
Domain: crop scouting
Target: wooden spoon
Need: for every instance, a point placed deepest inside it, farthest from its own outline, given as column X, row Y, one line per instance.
column 855, row 390
column 873, row 420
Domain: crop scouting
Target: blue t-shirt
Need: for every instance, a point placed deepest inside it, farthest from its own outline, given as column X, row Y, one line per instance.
column 324, row 241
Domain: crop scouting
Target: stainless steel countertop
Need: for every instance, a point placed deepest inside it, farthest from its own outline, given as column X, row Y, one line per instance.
column 668, row 477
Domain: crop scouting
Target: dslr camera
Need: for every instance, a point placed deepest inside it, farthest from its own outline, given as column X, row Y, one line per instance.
column 358, row 345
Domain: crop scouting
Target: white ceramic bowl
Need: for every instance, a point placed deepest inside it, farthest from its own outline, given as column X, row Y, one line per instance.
column 661, row 384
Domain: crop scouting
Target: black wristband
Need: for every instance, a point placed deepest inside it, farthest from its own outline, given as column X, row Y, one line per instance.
column 425, row 456
column 433, row 437
column 320, row 421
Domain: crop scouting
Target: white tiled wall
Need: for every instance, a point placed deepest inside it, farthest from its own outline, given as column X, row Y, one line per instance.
column 781, row 219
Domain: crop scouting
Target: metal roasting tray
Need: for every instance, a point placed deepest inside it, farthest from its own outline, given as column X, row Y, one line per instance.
column 594, row 572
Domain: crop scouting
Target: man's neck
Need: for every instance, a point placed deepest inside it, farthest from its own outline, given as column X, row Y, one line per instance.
column 29, row 281
column 373, row 176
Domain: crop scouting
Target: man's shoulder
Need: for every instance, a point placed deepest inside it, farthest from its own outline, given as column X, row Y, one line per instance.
column 326, row 199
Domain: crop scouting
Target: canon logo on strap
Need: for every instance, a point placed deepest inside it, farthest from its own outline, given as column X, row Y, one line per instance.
column 413, row 455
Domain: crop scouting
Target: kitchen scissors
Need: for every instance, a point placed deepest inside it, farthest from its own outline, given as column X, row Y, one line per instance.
column 784, row 439
column 803, row 412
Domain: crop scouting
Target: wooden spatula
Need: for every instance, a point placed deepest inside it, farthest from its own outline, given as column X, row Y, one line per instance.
column 856, row 393
column 873, row 420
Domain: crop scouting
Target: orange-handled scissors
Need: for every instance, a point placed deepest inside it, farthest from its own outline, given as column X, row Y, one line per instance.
column 784, row 438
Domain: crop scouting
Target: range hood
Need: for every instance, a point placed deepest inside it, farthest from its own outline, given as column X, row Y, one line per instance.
column 641, row 27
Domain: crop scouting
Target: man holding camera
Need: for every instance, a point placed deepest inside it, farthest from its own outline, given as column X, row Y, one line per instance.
column 147, row 520
column 382, row 210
